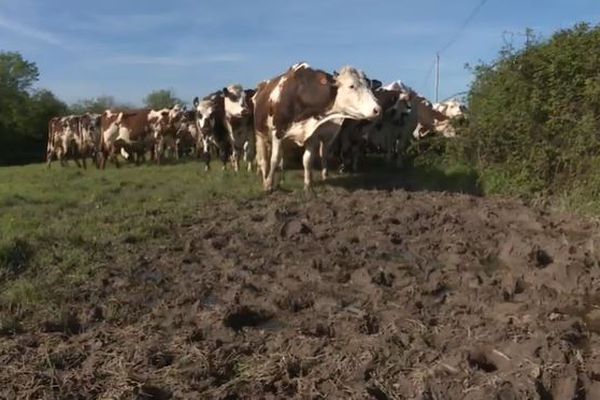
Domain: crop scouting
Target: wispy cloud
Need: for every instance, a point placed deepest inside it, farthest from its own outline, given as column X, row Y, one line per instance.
column 30, row 32
column 177, row 61
column 123, row 24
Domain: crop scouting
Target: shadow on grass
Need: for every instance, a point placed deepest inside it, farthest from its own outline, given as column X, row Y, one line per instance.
column 377, row 176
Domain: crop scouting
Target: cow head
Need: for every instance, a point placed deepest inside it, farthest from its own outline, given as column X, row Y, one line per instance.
column 394, row 106
column 90, row 126
column 451, row 109
column 374, row 84
column 205, row 110
column 158, row 120
column 235, row 101
column 354, row 95
column 70, row 125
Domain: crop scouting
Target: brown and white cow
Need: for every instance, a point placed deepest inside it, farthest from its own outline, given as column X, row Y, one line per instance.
column 88, row 137
column 420, row 121
column 188, row 138
column 165, row 124
column 306, row 106
column 55, row 147
column 62, row 140
column 210, row 120
column 452, row 110
column 125, row 132
column 382, row 133
column 240, row 127
column 223, row 122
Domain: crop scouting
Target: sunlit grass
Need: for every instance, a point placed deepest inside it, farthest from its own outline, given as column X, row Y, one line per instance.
column 57, row 225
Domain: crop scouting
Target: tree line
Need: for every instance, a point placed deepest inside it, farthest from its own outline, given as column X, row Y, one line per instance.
column 533, row 125
column 25, row 109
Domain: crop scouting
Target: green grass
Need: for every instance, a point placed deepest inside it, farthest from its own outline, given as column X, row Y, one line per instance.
column 57, row 225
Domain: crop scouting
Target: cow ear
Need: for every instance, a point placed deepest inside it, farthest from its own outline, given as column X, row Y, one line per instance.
column 375, row 84
column 196, row 101
column 225, row 91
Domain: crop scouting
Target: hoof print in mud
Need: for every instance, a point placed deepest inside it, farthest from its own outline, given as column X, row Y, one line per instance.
column 383, row 278
column 294, row 228
column 369, row 325
column 540, row 258
column 296, row 301
column 320, row 330
column 160, row 359
column 478, row 359
column 150, row 392
column 67, row 323
column 245, row 316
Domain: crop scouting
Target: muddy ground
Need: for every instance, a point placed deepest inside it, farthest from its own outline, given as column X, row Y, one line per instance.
column 346, row 295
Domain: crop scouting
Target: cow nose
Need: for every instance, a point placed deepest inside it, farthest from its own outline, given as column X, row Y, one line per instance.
column 376, row 111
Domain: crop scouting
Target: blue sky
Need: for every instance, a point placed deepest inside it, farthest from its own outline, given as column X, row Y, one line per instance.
column 127, row 48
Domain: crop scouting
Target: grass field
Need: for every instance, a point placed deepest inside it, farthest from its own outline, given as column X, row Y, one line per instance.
column 59, row 226
column 171, row 282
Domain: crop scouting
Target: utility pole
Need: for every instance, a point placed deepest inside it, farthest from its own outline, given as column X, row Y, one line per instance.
column 437, row 77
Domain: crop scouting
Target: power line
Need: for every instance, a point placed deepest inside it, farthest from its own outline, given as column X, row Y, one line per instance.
column 463, row 26
column 450, row 42
column 426, row 81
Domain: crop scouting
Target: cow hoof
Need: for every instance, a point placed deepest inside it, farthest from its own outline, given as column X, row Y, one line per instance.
column 309, row 189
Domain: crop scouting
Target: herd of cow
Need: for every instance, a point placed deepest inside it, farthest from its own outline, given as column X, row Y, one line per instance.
column 341, row 114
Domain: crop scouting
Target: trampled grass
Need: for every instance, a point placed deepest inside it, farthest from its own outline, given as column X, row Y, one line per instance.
column 57, row 225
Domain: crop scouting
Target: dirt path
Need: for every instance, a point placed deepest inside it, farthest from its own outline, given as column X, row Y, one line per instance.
column 364, row 295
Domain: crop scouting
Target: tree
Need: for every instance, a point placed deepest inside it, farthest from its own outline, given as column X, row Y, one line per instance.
column 97, row 105
column 16, row 73
column 161, row 99
column 535, row 115
column 24, row 112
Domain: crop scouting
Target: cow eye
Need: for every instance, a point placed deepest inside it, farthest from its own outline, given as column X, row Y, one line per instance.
column 351, row 86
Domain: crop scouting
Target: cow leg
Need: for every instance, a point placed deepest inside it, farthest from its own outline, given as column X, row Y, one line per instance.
column 62, row 159
column 250, row 153
column 401, row 147
column 389, row 149
column 235, row 159
column 323, row 155
column 84, row 162
column 177, row 149
column 206, row 160
column 224, row 158
column 275, row 159
column 307, row 159
column 103, row 156
column 159, row 148
column 262, row 157
column 113, row 156
column 355, row 157
column 247, row 155
column 49, row 156
column 206, row 152
column 345, row 149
